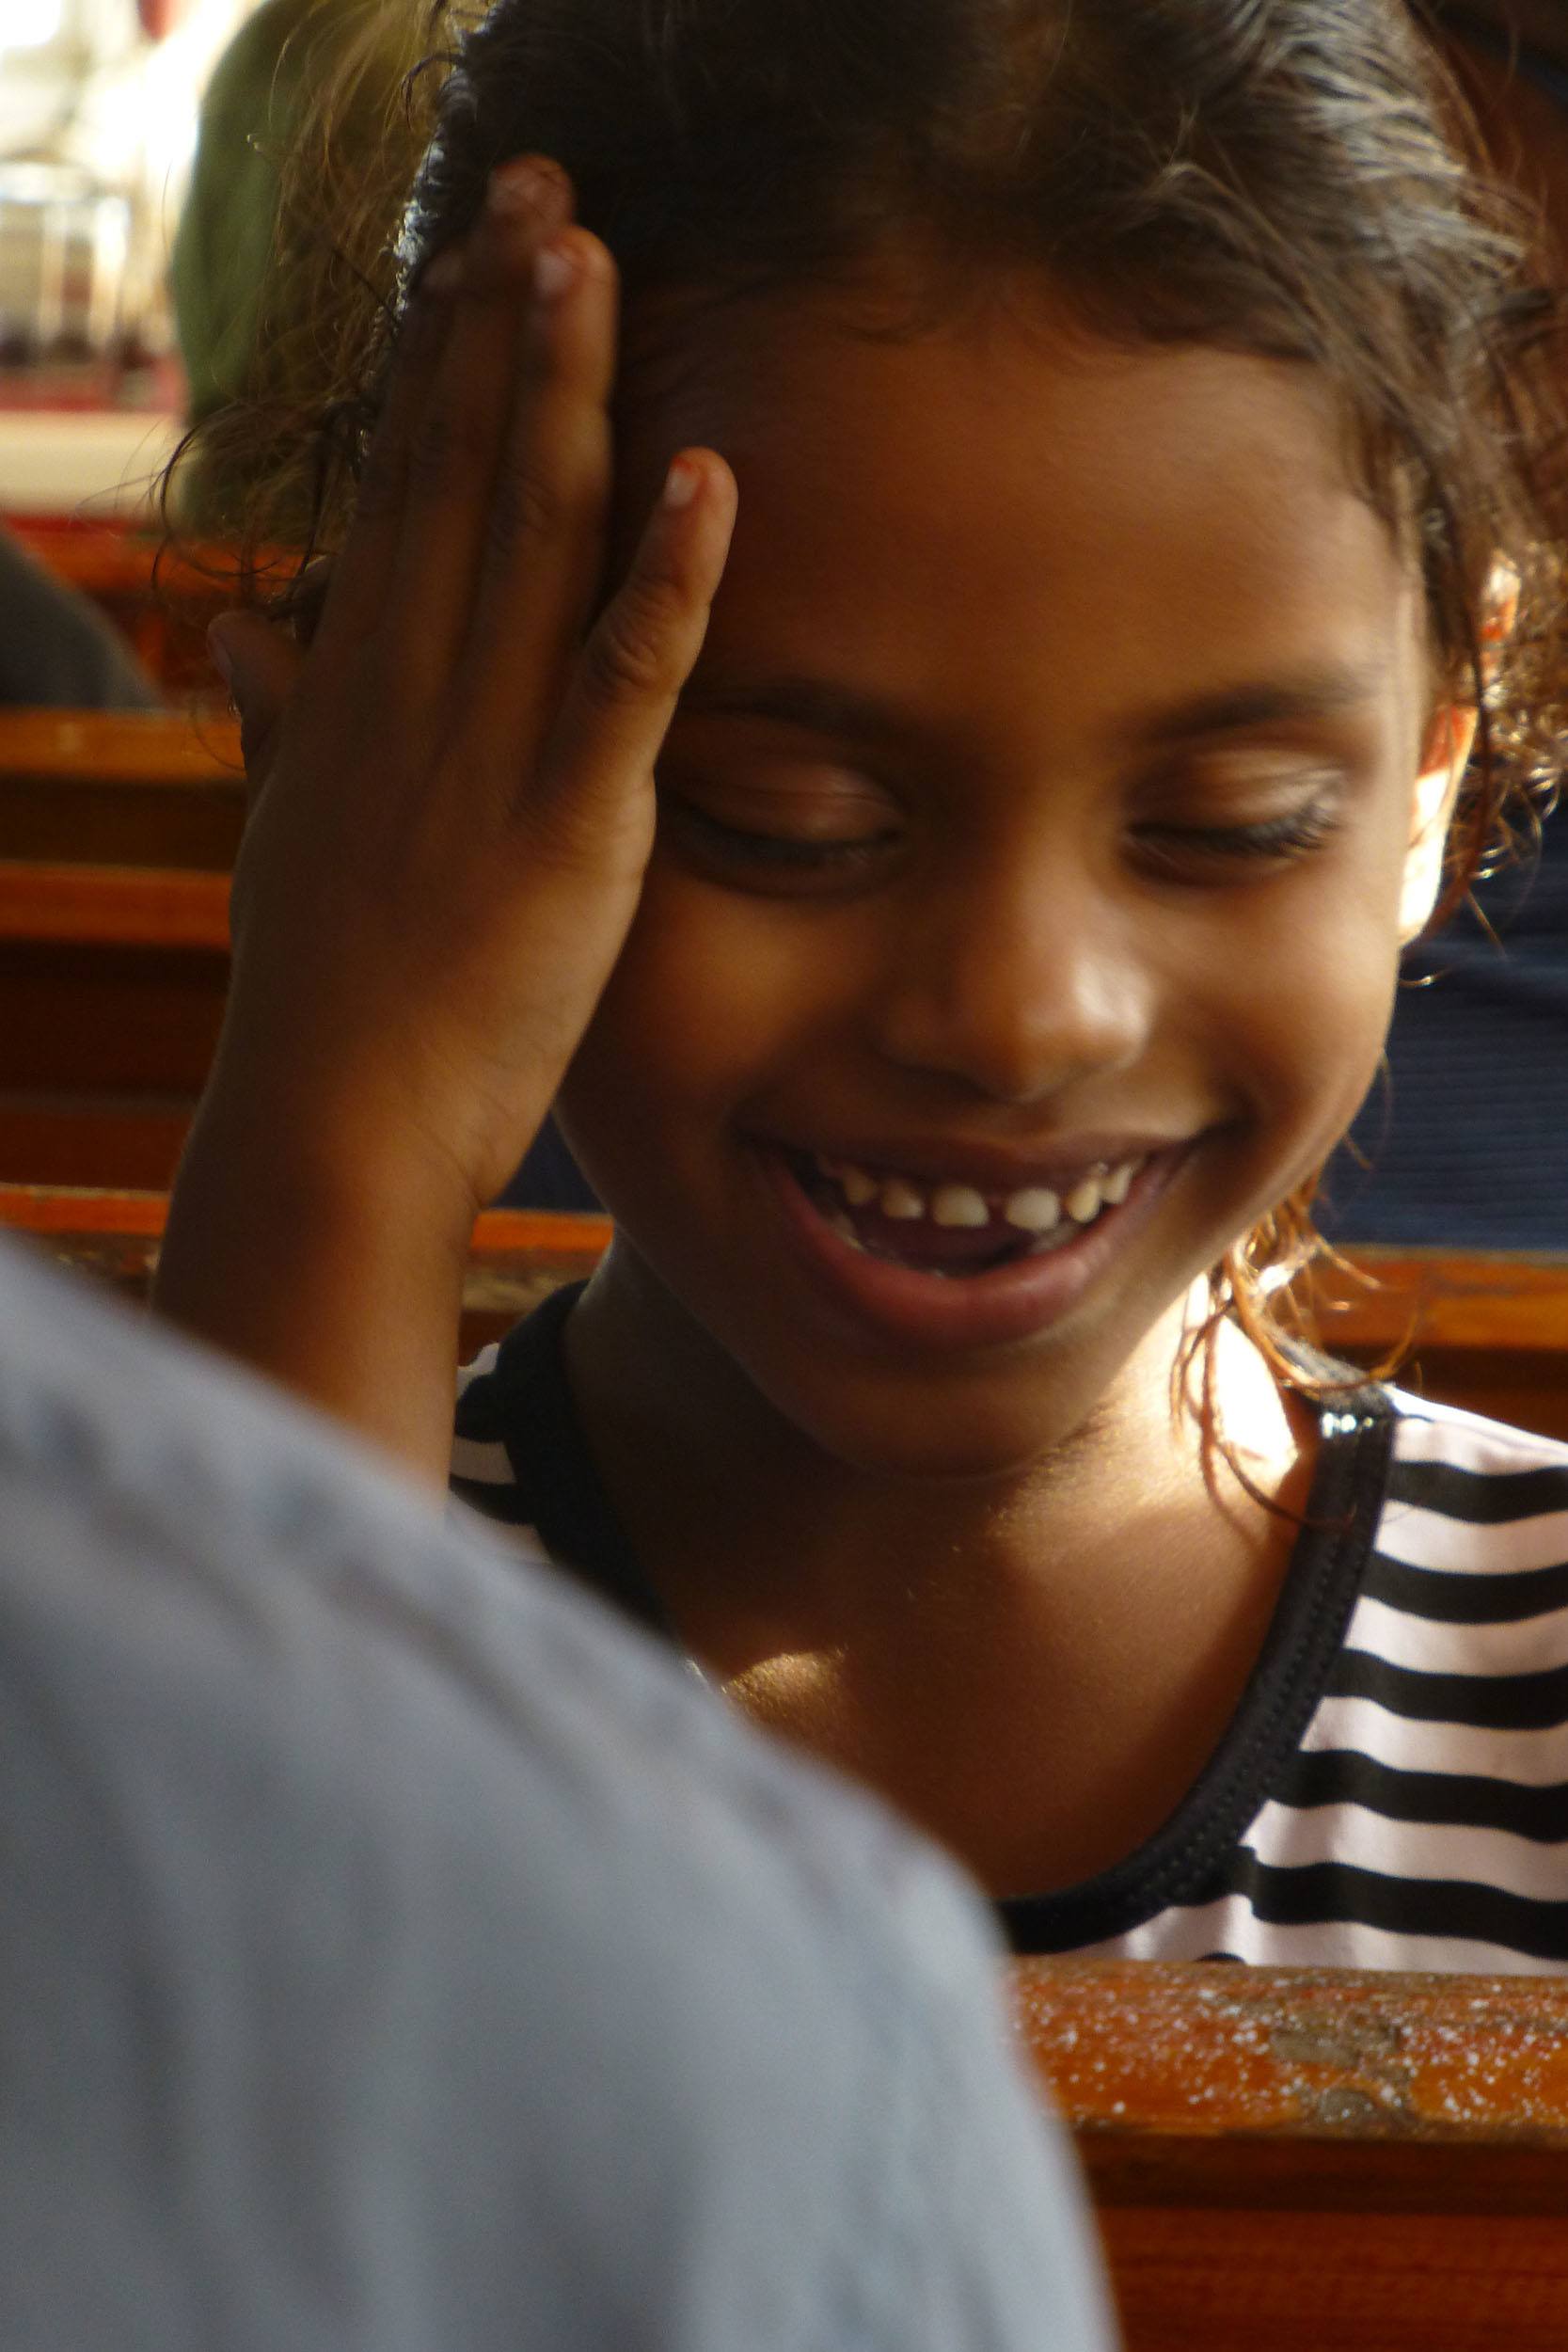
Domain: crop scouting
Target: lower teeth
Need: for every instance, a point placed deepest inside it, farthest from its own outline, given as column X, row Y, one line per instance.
column 834, row 1213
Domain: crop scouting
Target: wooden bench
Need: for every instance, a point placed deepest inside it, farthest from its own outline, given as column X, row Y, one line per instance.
column 117, row 833
column 1290, row 2160
column 89, row 787
column 1484, row 1328
column 519, row 1255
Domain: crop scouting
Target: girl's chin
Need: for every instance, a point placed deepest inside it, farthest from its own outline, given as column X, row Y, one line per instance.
column 999, row 1427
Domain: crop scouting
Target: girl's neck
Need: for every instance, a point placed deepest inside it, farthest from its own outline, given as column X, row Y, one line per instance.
column 753, row 1533
column 1034, row 1665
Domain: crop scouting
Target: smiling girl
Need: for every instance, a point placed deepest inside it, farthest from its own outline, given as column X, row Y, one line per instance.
column 953, row 957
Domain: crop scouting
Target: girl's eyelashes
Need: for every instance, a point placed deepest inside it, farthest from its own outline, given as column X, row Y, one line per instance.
column 773, row 853
column 1194, row 854
column 771, row 826
column 1213, row 853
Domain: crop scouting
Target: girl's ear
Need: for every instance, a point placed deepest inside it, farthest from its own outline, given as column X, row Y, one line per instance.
column 1444, row 756
column 1451, row 738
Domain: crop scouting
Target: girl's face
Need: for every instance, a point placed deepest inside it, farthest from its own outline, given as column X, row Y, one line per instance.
column 1027, row 899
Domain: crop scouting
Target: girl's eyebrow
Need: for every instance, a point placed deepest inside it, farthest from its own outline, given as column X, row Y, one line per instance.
column 829, row 708
column 1330, row 693
column 818, row 706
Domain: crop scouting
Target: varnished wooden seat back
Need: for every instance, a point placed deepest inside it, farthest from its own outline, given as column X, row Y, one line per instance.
column 1290, row 2160
column 1487, row 1330
column 518, row 1256
column 93, row 787
column 116, row 836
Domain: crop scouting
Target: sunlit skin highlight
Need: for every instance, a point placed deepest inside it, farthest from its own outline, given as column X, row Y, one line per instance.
column 1040, row 629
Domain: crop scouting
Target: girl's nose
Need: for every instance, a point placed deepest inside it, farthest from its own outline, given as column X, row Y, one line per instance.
column 1017, row 990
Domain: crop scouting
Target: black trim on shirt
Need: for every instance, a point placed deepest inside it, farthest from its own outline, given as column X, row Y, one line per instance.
column 555, row 1470
column 1180, row 1862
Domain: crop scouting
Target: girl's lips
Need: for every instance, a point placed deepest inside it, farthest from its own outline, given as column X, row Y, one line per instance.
column 990, row 1308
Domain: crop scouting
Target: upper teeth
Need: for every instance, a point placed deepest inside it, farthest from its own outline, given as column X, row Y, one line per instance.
column 1035, row 1209
column 958, row 1205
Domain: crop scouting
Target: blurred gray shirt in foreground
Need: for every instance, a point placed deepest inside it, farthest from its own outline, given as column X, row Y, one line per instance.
column 396, row 1955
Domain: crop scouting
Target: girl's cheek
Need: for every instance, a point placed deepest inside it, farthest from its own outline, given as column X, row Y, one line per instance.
column 1323, row 981
column 730, row 965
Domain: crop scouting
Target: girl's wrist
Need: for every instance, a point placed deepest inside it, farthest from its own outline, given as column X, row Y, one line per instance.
column 338, row 1277
column 337, row 1166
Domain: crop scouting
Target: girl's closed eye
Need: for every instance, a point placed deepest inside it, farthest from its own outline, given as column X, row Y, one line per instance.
column 1212, row 852
column 780, row 832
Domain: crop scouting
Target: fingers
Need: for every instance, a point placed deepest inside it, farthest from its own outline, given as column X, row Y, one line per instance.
column 259, row 665
column 544, row 528
column 359, row 588
column 594, row 787
column 490, row 365
column 435, row 446
column 475, row 557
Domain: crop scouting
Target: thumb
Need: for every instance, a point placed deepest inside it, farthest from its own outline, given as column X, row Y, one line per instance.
column 260, row 663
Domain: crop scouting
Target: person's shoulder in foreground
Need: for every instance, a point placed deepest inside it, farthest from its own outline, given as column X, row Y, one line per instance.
column 398, row 1952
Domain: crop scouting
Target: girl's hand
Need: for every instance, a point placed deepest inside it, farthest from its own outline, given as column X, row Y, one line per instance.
column 454, row 809
column 457, row 804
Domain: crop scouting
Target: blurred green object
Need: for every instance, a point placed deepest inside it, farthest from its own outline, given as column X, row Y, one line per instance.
column 299, row 112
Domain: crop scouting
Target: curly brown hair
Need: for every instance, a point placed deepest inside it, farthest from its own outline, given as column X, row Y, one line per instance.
column 1290, row 177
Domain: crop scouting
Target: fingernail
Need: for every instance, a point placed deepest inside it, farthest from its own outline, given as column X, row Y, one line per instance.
column 520, row 185
column 554, row 271
column 681, row 484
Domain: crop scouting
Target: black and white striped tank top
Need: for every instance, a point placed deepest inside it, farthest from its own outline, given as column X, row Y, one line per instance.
column 1392, row 1791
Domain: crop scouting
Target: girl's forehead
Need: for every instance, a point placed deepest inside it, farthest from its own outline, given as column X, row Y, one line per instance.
column 1176, row 498
column 803, row 379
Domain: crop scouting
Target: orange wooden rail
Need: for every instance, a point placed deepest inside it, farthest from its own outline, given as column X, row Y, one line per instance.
column 519, row 1255
column 127, row 747
column 117, row 836
column 1293, row 2159
column 1454, row 1298
column 500, row 1235
column 1484, row 1328
column 93, row 787
column 114, row 906
column 112, row 562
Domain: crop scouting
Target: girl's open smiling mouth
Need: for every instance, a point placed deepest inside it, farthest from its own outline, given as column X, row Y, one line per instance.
column 948, row 1264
